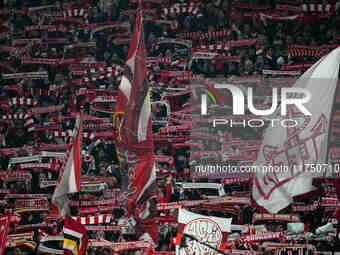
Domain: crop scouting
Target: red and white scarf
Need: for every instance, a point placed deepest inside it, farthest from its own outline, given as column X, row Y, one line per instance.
column 15, row 176
column 28, row 196
column 192, row 9
column 202, row 36
column 109, row 228
column 117, row 69
column 329, row 202
column 104, row 99
column 260, row 237
column 53, row 61
column 195, row 203
column 41, row 203
column 76, row 13
column 47, row 109
column 318, row 8
column 42, row 92
column 87, row 135
column 16, row 42
column 97, row 209
column 122, row 246
column 216, row 56
column 91, row 220
column 278, row 17
column 226, row 46
column 99, row 126
column 22, row 101
column 297, row 207
column 151, row 12
column 307, row 51
column 28, row 120
column 291, row 8
column 296, row 67
column 238, row 181
column 53, row 166
column 29, row 75
column 159, row 60
column 51, row 28
column 276, row 72
column 108, row 25
column 53, row 19
column 95, row 203
column 239, row 4
column 186, row 43
column 116, row 73
column 276, row 217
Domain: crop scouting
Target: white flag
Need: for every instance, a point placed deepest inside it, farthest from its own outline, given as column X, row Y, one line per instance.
column 200, row 230
column 288, row 152
column 69, row 176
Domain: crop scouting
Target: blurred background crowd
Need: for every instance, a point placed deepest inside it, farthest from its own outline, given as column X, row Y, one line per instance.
column 62, row 57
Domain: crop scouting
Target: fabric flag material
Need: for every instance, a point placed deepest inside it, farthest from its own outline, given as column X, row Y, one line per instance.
column 135, row 142
column 293, row 149
column 4, row 226
column 133, row 124
column 75, row 237
column 69, row 177
column 206, row 229
column 138, row 110
column 136, row 58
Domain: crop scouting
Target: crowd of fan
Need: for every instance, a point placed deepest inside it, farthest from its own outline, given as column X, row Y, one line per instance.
column 269, row 53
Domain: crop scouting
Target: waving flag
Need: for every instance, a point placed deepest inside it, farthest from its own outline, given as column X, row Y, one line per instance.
column 297, row 149
column 133, row 125
column 133, row 95
column 69, row 177
column 75, row 237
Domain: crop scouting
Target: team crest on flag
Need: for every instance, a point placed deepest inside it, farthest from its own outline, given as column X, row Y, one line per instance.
column 288, row 154
column 196, row 230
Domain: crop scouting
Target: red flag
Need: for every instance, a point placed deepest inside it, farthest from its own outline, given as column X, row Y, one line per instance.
column 138, row 113
column 4, row 226
column 134, row 128
column 136, row 59
column 75, row 237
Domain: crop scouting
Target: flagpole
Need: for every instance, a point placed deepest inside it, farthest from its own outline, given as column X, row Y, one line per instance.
column 81, row 163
